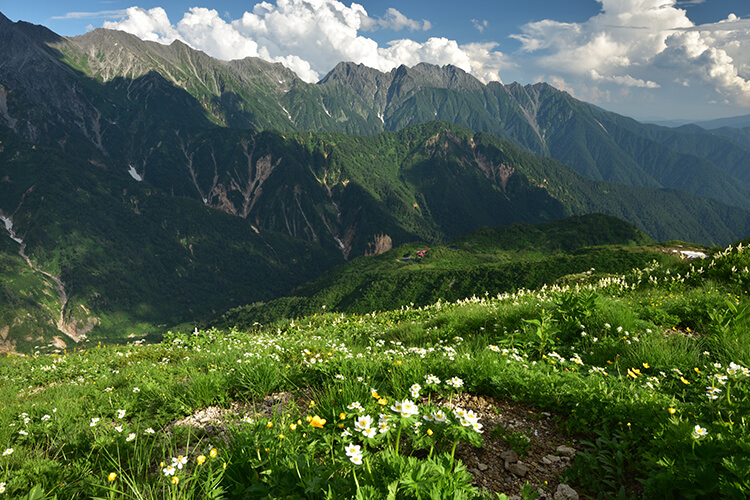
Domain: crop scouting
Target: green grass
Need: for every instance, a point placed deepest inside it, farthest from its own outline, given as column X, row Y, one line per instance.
column 648, row 372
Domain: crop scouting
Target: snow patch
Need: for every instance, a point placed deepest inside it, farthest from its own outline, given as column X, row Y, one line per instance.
column 9, row 228
column 326, row 109
column 691, row 254
column 600, row 124
column 134, row 174
column 380, row 115
column 287, row 112
column 341, row 243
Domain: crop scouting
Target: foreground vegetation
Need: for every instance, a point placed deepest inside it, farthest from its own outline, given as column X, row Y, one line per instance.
column 649, row 370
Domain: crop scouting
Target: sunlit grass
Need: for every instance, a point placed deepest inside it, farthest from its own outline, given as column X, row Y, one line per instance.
column 649, row 368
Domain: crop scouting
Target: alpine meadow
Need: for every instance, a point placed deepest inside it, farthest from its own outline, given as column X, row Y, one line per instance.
column 219, row 281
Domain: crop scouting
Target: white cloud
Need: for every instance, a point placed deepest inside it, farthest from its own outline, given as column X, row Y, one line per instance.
column 643, row 44
column 480, row 25
column 92, row 15
column 393, row 20
column 152, row 25
column 624, row 80
column 310, row 37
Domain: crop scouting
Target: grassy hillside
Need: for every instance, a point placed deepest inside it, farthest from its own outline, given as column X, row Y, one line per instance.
column 643, row 375
column 486, row 261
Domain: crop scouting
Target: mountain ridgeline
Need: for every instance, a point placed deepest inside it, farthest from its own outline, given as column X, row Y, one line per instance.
column 144, row 185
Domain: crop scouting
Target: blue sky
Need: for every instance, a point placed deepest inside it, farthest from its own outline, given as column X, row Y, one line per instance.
column 650, row 59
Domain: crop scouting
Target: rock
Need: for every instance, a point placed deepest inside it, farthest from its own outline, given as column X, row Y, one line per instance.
column 519, row 470
column 565, row 492
column 509, row 456
column 474, row 472
column 551, row 459
column 483, row 467
column 566, row 451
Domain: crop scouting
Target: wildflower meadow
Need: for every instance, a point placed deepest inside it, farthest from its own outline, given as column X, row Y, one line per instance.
column 647, row 373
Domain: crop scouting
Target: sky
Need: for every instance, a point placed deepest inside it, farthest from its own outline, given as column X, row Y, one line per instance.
column 648, row 59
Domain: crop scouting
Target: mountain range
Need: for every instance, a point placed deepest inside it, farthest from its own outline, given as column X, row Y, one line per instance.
column 146, row 185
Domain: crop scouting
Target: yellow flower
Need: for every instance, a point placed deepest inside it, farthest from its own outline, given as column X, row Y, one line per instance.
column 645, row 365
column 318, row 422
column 382, row 401
column 696, row 370
column 342, row 416
column 671, row 411
column 312, row 403
column 308, row 418
column 269, row 424
column 341, row 426
column 112, row 476
column 175, row 480
column 281, row 436
column 292, row 427
column 201, row 459
column 213, row 453
column 684, row 381
column 429, row 432
column 374, row 394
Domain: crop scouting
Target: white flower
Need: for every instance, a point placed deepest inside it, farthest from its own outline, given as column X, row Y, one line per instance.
column 149, row 431
column 130, row 437
column 440, row 417
column 179, row 462
column 108, row 389
column 2, row 487
column 353, row 449
column 431, row 380
column 94, row 421
column 699, row 432
column 118, row 428
column 169, row 470
column 406, row 408
column 120, row 413
column 362, row 423
column 46, row 417
column 455, row 382
column 136, row 389
column 370, row 432
column 415, row 390
column 7, row 452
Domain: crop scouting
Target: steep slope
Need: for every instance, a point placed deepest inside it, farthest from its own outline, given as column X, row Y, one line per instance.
column 124, row 257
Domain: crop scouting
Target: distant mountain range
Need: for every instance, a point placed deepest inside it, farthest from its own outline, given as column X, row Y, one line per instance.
column 159, row 185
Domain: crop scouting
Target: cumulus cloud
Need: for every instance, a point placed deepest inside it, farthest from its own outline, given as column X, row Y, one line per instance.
column 152, row 25
column 643, row 44
column 310, row 37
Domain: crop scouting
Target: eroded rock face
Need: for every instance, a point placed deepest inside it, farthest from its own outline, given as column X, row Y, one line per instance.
column 381, row 243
